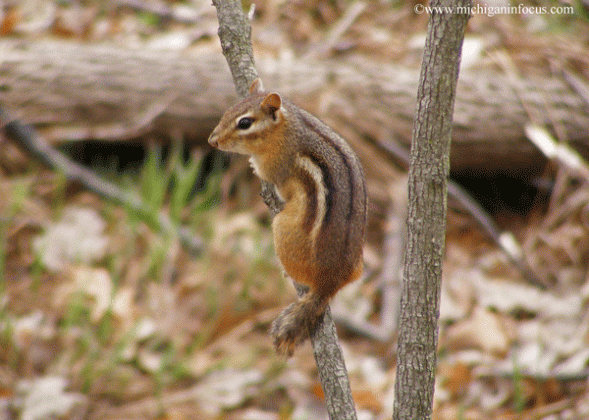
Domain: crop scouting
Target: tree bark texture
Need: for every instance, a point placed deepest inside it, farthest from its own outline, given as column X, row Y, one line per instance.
column 426, row 219
column 71, row 91
column 235, row 34
column 332, row 370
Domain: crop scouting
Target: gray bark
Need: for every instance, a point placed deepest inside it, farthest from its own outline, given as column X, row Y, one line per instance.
column 426, row 219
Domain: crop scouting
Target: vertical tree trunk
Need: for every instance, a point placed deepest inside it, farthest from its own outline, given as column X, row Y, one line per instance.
column 426, row 219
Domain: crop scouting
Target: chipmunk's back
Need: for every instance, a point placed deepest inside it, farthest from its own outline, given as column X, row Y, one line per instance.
column 319, row 233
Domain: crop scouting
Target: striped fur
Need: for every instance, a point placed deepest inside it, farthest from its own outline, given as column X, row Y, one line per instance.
column 319, row 233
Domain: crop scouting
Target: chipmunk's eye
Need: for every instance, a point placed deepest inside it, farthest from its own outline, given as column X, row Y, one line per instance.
column 245, row 123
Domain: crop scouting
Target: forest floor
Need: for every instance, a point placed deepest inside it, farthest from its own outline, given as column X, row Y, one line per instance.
column 105, row 316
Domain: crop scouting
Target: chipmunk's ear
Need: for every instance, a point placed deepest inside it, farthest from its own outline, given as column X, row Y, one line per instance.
column 271, row 104
column 256, row 86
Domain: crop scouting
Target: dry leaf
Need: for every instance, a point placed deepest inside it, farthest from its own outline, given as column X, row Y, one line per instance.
column 226, row 389
column 367, row 400
column 483, row 331
column 455, row 378
column 78, row 238
column 94, row 283
column 507, row 297
column 46, row 398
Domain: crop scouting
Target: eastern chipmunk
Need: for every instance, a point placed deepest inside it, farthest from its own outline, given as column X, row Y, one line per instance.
column 319, row 234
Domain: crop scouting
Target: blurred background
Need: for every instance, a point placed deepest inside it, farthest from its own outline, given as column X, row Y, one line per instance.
column 156, row 304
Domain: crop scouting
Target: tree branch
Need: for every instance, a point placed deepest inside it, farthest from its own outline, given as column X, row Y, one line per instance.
column 28, row 138
column 235, row 36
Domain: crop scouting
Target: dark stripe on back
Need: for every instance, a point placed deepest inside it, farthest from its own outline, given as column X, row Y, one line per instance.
column 344, row 158
column 338, row 257
column 311, row 192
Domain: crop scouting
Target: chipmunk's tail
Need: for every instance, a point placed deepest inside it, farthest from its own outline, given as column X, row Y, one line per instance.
column 297, row 322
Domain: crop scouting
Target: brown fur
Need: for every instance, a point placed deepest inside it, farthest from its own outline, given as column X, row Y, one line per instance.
column 318, row 235
column 297, row 322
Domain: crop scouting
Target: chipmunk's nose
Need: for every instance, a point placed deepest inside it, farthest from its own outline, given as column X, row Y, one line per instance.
column 213, row 141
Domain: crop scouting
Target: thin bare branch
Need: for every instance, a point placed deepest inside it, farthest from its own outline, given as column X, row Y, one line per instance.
column 235, row 36
column 28, row 138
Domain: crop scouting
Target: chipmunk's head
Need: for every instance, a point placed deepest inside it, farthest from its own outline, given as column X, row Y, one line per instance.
column 252, row 125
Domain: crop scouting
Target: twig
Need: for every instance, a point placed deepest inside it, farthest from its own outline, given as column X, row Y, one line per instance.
column 390, row 276
column 505, row 239
column 235, row 36
column 32, row 142
column 545, row 411
column 161, row 10
column 581, row 375
column 559, row 152
column 578, row 84
column 335, row 33
column 536, row 115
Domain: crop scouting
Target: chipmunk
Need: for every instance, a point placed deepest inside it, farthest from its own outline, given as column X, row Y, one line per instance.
column 319, row 234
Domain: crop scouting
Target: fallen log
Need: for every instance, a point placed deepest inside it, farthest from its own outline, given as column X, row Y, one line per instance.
column 72, row 92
